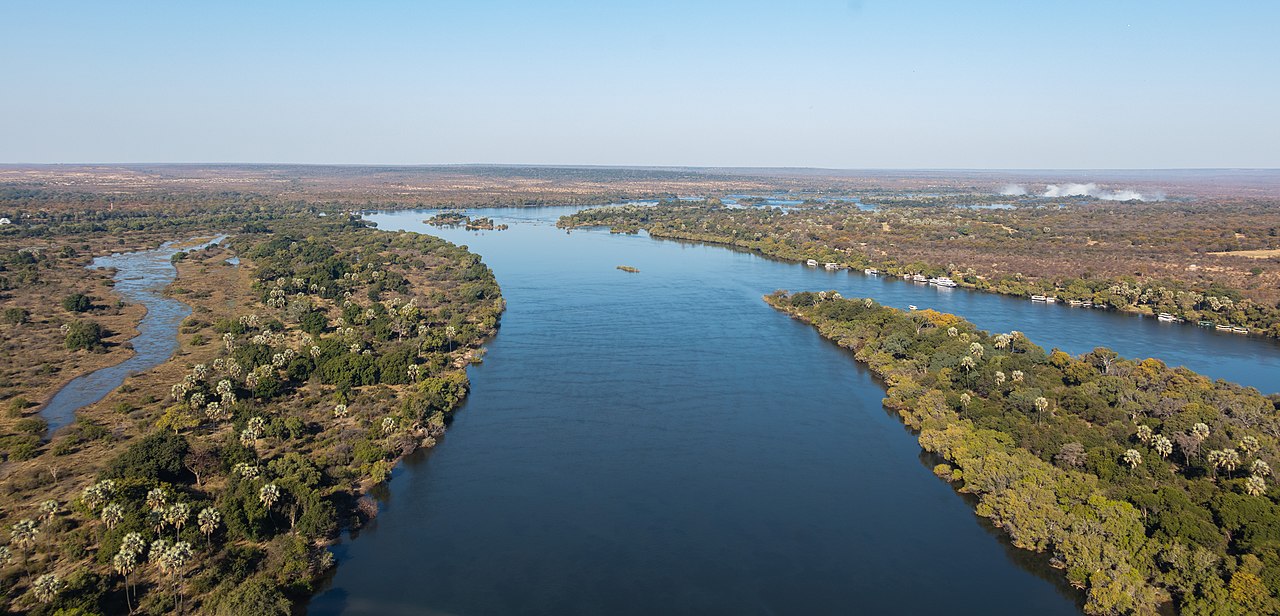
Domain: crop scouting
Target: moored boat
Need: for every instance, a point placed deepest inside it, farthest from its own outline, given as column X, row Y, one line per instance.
column 812, row 263
column 943, row 281
column 1038, row 298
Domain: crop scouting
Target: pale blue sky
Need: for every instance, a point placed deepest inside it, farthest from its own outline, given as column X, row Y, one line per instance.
column 829, row 83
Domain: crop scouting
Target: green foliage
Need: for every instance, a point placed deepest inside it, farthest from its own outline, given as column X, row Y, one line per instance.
column 77, row 302
column 157, row 457
column 1061, row 453
column 85, row 335
column 257, row 596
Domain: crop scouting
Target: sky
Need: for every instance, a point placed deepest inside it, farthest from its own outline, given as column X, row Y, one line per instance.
column 822, row 83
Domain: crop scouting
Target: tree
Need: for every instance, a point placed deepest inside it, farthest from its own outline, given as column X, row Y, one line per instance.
column 257, row 596
column 47, row 587
column 85, row 335
column 1162, row 445
column 1132, row 457
column 209, row 519
column 1072, row 455
column 1255, row 486
column 77, row 302
column 112, row 514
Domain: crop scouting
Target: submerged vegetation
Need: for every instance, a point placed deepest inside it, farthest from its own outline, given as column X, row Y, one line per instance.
column 308, row 371
column 1145, row 484
column 1145, row 258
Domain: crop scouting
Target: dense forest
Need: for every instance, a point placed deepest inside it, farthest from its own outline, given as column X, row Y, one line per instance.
column 1174, row 258
column 1147, row 485
column 305, row 373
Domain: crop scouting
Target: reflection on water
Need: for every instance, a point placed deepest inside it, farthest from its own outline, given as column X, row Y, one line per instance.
column 140, row 278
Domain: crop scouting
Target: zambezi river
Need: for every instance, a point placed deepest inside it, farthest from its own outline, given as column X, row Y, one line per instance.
column 663, row 442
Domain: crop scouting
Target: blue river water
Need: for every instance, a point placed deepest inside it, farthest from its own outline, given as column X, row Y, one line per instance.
column 140, row 278
column 664, row 442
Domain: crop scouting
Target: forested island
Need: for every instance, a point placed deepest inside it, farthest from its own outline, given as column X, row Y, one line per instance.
column 1147, row 485
column 1190, row 260
column 215, row 482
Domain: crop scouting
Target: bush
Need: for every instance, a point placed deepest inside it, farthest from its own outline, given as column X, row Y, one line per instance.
column 85, row 335
column 157, row 457
column 77, row 302
column 15, row 315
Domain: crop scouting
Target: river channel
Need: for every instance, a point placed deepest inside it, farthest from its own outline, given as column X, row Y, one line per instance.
column 664, row 442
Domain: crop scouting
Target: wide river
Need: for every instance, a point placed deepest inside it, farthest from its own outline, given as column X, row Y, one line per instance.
column 664, row 442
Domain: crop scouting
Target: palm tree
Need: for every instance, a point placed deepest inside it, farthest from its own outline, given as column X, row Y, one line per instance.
column 976, row 350
column 157, row 498
column 1200, row 431
column 1162, row 445
column 1144, row 434
column 1132, row 457
column 112, row 514
column 23, row 535
column 1230, row 460
column 1249, row 444
column 47, row 587
column 133, row 546
column 269, row 494
column 1042, row 405
column 1260, row 468
column 49, row 509
column 124, row 562
column 209, row 519
column 176, row 515
column 1255, row 486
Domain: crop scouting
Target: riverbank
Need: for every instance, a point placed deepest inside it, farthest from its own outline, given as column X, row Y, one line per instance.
column 978, row 250
column 266, row 415
column 1087, row 476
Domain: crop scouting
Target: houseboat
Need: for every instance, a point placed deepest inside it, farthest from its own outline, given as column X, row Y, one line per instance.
column 1222, row 328
column 812, row 263
column 1038, row 298
column 919, row 278
column 871, row 271
column 1166, row 317
column 943, row 281
column 1239, row 330
column 912, row 306
column 1205, row 324
column 831, row 266
column 1050, row 300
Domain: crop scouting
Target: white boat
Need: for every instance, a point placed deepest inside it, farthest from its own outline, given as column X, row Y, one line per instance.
column 1051, row 300
column 943, row 281
column 1239, row 330
column 1166, row 317
column 912, row 306
column 919, row 278
column 812, row 263
column 1075, row 302
column 1038, row 298
column 831, row 266
column 871, row 271
column 1222, row 328
column 1086, row 304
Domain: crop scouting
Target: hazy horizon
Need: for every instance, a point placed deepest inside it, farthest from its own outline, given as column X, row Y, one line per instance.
column 831, row 84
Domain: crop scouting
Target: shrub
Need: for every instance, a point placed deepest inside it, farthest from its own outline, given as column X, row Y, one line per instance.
column 77, row 302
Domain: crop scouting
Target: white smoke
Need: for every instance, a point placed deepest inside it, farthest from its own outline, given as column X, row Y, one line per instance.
column 1083, row 190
